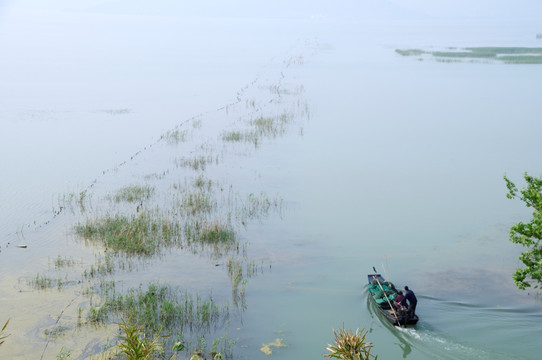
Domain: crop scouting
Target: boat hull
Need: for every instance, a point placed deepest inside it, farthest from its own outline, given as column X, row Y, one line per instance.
column 378, row 286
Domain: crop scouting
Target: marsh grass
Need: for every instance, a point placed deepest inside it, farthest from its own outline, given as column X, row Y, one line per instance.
column 197, row 163
column 159, row 307
column 42, row 282
column 203, row 183
column 259, row 128
column 259, row 205
column 63, row 262
column 64, row 354
column 195, row 202
column 3, row 334
column 143, row 234
column 74, row 201
column 102, row 266
column 507, row 55
column 233, row 136
column 174, row 137
column 134, row 193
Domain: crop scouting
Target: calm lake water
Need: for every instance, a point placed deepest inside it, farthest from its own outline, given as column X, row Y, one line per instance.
column 386, row 161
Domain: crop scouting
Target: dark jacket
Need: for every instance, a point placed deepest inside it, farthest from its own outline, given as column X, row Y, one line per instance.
column 409, row 295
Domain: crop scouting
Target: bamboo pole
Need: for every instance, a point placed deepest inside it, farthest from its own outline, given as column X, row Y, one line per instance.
column 387, row 299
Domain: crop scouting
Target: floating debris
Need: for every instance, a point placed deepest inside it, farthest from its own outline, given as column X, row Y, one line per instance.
column 278, row 343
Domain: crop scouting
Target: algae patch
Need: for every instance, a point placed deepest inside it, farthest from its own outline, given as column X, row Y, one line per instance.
column 278, row 343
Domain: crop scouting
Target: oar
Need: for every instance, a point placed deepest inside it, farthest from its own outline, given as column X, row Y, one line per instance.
column 387, row 299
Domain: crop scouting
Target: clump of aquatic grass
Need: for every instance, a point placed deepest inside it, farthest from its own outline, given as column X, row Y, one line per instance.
column 262, row 126
column 3, row 335
column 202, row 183
column 62, row 262
column 176, row 136
column 271, row 126
column 350, row 345
column 258, row 205
column 196, row 163
column 74, row 200
column 161, row 306
column 216, row 232
column 64, row 354
column 102, row 267
column 196, row 202
column 233, row 136
column 42, row 282
column 134, row 193
column 142, row 234
column 134, row 344
column 213, row 236
column 235, row 271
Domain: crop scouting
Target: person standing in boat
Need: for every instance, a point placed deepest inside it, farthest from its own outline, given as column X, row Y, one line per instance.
column 412, row 302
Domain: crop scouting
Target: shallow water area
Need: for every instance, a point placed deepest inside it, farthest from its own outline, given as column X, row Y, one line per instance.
column 327, row 153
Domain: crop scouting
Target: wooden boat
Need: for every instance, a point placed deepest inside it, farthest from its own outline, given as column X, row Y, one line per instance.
column 382, row 293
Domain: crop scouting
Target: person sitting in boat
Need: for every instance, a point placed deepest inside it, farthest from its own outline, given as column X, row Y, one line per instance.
column 410, row 297
column 398, row 299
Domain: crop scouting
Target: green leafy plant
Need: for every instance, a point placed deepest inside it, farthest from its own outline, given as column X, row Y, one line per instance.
column 135, row 345
column 529, row 235
column 350, row 345
column 2, row 335
column 64, row 354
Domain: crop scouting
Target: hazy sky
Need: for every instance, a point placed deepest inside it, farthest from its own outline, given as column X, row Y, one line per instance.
column 526, row 10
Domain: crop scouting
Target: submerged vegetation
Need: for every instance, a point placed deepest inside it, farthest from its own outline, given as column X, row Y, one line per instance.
column 175, row 211
column 142, row 234
column 507, row 55
column 260, row 127
column 134, row 193
column 183, row 317
column 42, row 282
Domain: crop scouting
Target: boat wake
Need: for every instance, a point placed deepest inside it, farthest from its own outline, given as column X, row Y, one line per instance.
column 437, row 344
column 440, row 345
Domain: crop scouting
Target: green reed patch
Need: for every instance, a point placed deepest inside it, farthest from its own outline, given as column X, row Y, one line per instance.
column 42, row 282
column 196, row 202
column 202, row 183
column 102, row 267
column 143, row 234
column 63, row 262
column 233, row 136
column 175, row 137
column 134, row 193
column 507, row 55
column 158, row 307
column 216, row 232
column 198, row 163
column 260, row 127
